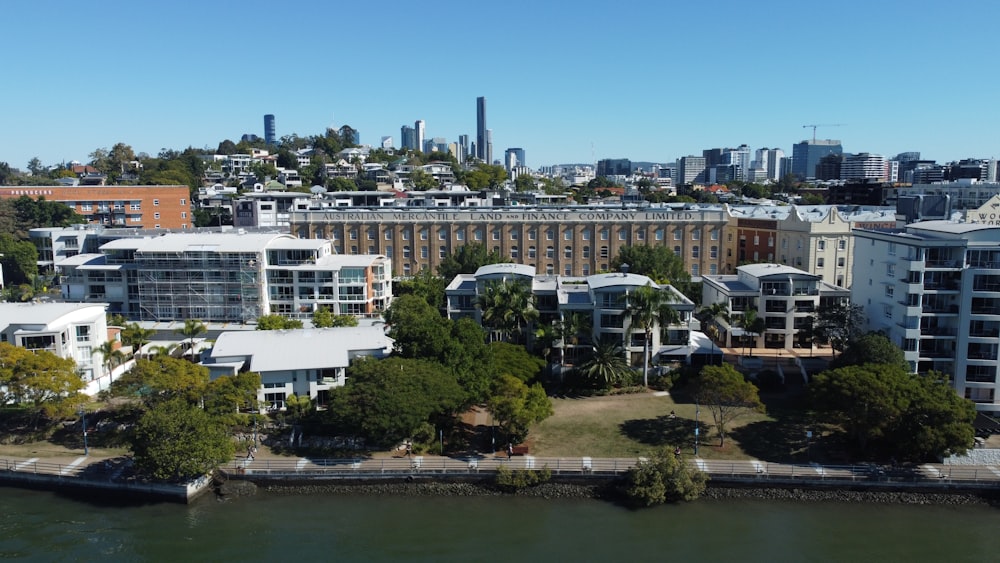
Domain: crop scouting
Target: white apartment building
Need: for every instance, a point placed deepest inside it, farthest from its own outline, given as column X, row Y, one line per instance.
column 226, row 277
column 864, row 166
column 602, row 297
column 785, row 298
column 68, row 330
column 934, row 289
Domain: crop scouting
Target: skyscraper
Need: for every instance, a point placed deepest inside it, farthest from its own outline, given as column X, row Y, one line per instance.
column 513, row 158
column 419, row 126
column 489, row 146
column 807, row 154
column 269, row 137
column 463, row 148
column 481, row 141
column 407, row 137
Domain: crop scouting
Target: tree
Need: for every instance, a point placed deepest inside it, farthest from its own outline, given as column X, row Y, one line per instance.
column 516, row 406
column 709, row 316
column 226, row 147
column 422, row 181
column 277, row 322
column 297, row 406
column 418, row 330
column 727, row 395
column 508, row 308
column 870, row 348
column 19, row 260
column 662, row 478
column 467, row 259
column 391, row 400
column 425, row 285
column 524, row 183
column 192, row 329
column 514, row 360
column 752, row 325
column 177, row 441
column 110, row 354
column 656, row 262
column 837, row 323
column 35, row 166
column 46, row 384
column 225, row 397
column 884, row 409
column 324, row 318
column 135, row 336
column 485, row 176
column 161, row 378
column 606, row 366
column 649, row 308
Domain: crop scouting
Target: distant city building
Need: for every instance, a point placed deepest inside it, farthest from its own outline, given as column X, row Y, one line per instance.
column 386, row 143
column 614, row 167
column 481, row 141
column 269, row 135
column 864, row 166
column 692, row 170
column 418, row 126
column 489, row 146
column 463, row 148
column 349, row 135
column 514, row 158
column 408, row 137
column 807, row 154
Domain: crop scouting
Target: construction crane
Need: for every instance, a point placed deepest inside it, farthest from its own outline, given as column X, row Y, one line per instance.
column 821, row 125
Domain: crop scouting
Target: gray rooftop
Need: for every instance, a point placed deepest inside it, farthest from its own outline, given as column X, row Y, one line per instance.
column 599, row 281
column 40, row 313
column 199, row 242
column 313, row 348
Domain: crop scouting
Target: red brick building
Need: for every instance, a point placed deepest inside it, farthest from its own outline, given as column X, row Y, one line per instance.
column 146, row 207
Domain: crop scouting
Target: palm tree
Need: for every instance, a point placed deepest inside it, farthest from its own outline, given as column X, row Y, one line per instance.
column 649, row 307
column 191, row 329
column 606, row 364
column 136, row 336
column 508, row 308
column 708, row 317
column 110, row 354
column 751, row 324
column 573, row 329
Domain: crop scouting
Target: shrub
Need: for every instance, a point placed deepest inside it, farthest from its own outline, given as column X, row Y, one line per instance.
column 516, row 479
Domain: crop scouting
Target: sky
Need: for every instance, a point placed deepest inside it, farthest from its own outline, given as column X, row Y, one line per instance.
column 566, row 81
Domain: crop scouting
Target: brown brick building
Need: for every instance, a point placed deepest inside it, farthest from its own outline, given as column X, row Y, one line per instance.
column 147, row 207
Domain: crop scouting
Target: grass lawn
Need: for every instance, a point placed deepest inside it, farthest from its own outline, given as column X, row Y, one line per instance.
column 630, row 426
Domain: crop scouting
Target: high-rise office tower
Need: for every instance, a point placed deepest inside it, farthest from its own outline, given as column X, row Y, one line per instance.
column 481, row 140
column 463, row 148
column 807, row 154
column 489, row 146
column 408, row 137
column 269, row 137
column 419, row 126
column 513, row 158
column 692, row 169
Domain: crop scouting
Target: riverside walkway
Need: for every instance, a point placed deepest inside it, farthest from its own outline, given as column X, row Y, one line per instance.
column 266, row 466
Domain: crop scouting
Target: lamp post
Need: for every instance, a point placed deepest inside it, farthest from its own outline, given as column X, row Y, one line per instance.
column 696, row 428
column 83, row 419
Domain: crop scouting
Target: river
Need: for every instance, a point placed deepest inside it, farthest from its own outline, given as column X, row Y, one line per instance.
column 42, row 526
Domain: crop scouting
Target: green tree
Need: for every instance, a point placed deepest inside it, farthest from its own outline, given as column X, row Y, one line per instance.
column 524, row 183
column 508, row 309
column 514, row 360
column 135, row 336
column 467, row 259
column 485, row 176
column 648, row 308
column 47, row 385
column 225, row 397
column 388, row 401
column 192, row 329
column 418, row 330
column 884, row 409
column 837, row 323
column 177, row 441
column 606, row 365
column 19, row 260
column 752, row 325
column 870, row 348
column 709, row 318
column 663, row 478
column 110, row 354
column 226, row 147
column 277, row 322
column 161, row 378
column 422, row 181
column 325, row 318
column 726, row 395
column 297, row 407
column 35, row 166
column 659, row 263
column 425, row 285
column 516, row 406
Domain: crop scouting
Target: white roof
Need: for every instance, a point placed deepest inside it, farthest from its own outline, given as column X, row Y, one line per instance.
column 312, row 348
column 598, row 281
column 42, row 313
column 761, row 270
column 506, row 268
column 193, row 242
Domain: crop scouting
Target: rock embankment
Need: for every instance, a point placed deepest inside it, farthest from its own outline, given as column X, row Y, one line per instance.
column 851, row 496
column 545, row 490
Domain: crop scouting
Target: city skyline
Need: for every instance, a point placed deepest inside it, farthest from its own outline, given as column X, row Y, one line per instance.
column 648, row 89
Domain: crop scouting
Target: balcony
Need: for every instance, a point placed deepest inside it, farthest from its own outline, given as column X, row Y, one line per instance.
column 937, row 353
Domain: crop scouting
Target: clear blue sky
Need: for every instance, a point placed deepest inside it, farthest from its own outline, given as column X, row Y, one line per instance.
column 566, row 81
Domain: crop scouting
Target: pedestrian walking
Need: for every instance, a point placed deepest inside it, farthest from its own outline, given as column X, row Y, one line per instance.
column 510, row 450
column 409, row 449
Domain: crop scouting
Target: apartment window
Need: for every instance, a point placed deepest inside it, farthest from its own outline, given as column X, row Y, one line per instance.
column 82, row 333
column 406, row 269
column 371, row 249
column 184, row 214
column 550, row 235
column 714, row 234
column 586, row 252
column 532, row 252
column 496, row 234
column 513, row 235
column 586, row 269
column 713, row 252
column 423, row 252
column 442, row 234
column 604, row 234
column 135, row 207
column 156, row 215
column 695, row 251
column 821, row 245
column 460, row 235
column 388, row 251
column 585, row 234
column 423, row 234
column 550, row 269
column 86, row 207
column 677, row 250
column 696, row 235
column 531, row 234
column 770, row 241
column 819, row 262
column 567, row 270
column 442, row 251
column 183, row 201
column 640, row 235
column 713, row 269
column 892, row 249
column 604, row 252
column 156, row 202
column 354, row 249
column 406, row 234
column 388, row 235
column 406, row 251
column 695, row 271
column 567, row 235
column 784, row 244
column 678, row 234
column 889, row 290
column 622, row 234
column 568, row 252
column 513, row 251
column 840, row 262
column 353, row 234
column 887, row 311
column 841, row 244
column 890, row 270
column 550, row 252
column 478, row 234
column 658, row 234
column 756, row 240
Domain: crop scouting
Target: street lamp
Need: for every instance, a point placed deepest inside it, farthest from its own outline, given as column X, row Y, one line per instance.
column 696, row 429
column 83, row 419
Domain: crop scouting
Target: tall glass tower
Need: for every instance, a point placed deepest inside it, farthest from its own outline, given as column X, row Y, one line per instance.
column 269, row 137
column 481, row 141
